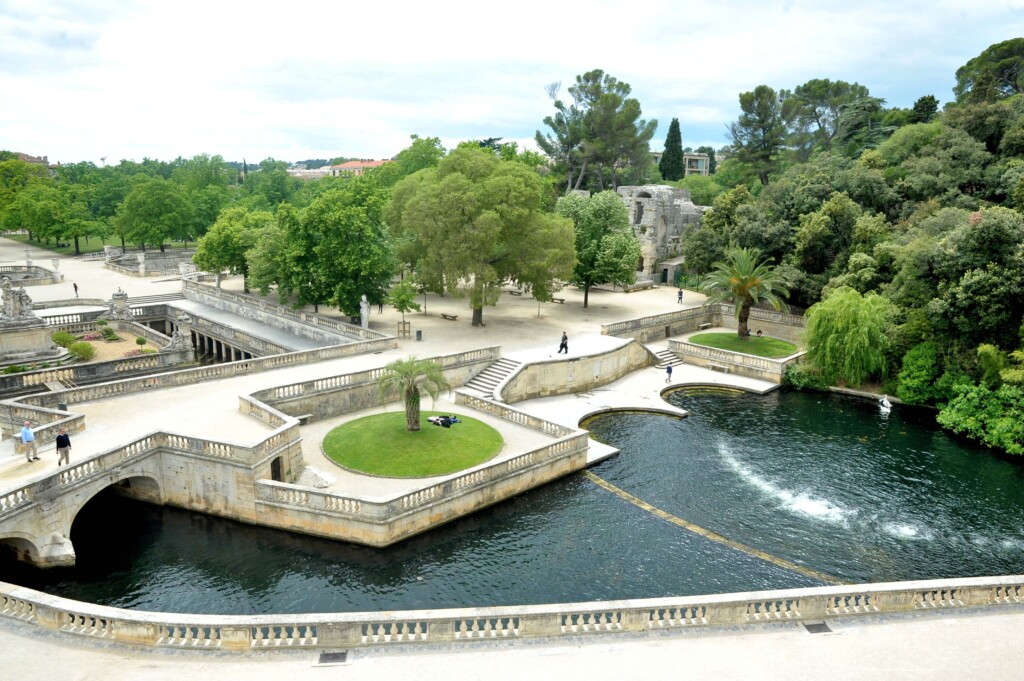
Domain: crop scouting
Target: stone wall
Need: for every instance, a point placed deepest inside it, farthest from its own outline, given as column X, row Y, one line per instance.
column 578, row 374
column 656, row 327
column 788, row 327
column 751, row 366
column 660, row 215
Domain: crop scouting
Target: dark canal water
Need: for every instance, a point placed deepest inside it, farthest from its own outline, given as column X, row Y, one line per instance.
column 825, row 482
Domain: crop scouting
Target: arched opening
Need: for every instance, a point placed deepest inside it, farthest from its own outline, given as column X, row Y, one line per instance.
column 275, row 470
column 17, row 549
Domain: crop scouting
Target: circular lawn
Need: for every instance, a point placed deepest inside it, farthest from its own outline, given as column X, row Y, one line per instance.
column 380, row 445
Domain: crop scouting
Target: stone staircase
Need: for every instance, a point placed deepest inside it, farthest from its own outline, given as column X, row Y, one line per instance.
column 667, row 357
column 487, row 380
column 156, row 298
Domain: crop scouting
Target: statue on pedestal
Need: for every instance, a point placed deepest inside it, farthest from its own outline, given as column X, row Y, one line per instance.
column 16, row 303
column 364, row 312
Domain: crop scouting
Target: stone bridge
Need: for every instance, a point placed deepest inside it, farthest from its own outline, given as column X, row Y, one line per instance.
column 162, row 468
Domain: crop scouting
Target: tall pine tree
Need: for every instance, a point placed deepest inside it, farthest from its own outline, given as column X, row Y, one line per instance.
column 671, row 165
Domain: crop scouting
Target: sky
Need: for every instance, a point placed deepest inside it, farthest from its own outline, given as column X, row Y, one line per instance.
column 105, row 80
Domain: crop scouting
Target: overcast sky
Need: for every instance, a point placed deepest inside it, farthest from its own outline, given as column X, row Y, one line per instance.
column 119, row 79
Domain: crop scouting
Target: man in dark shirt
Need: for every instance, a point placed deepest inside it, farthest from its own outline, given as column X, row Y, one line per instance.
column 63, row 447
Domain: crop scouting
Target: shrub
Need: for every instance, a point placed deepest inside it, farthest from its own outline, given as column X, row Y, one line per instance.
column 140, row 341
column 109, row 334
column 63, row 338
column 93, row 336
column 148, row 351
column 804, row 377
column 82, row 351
column 101, row 322
column 14, row 369
column 918, row 375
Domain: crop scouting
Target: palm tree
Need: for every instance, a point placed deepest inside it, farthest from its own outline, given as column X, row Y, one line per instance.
column 409, row 376
column 743, row 280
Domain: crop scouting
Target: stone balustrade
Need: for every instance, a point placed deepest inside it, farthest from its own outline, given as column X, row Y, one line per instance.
column 240, row 339
column 641, row 327
column 637, row 617
column 763, row 368
column 512, row 415
column 198, row 292
column 38, row 275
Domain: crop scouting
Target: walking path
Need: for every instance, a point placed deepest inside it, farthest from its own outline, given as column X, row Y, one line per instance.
column 935, row 645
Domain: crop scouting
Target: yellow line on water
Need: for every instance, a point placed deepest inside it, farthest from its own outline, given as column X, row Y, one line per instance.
column 708, row 534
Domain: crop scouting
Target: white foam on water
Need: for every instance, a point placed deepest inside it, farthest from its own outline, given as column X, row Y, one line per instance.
column 803, row 503
column 904, row 530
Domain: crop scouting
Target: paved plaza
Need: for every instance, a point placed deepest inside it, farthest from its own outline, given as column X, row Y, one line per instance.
column 965, row 644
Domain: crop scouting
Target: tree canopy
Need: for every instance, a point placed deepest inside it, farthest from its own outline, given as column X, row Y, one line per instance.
column 475, row 222
column 671, row 165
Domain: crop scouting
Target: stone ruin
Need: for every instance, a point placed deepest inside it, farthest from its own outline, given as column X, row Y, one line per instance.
column 659, row 215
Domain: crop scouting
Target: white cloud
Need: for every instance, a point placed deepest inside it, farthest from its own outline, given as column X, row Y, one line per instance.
column 130, row 79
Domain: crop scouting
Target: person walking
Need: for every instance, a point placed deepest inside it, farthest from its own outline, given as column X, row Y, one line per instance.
column 564, row 345
column 679, row 297
column 76, row 288
column 63, row 448
column 28, row 441
column 668, row 374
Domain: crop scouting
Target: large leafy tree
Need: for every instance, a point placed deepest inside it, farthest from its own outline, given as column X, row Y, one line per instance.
column 744, row 279
column 154, row 211
column 996, row 73
column 225, row 245
column 600, row 134
column 333, row 252
column 607, row 250
column 410, row 377
column 476, row 221
column 818, row 104
column 760, row 132
column 848, row 335
column 671, row 165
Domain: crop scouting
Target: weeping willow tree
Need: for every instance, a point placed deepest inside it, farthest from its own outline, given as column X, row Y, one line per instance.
column 847, row 335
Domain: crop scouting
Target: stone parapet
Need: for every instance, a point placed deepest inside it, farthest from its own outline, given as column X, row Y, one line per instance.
column 752, row 366
column 445, row 627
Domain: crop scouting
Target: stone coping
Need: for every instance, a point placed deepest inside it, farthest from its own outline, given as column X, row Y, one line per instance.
column 516, row 622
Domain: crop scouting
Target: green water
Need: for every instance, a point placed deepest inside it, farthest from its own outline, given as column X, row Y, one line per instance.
column 827, row 482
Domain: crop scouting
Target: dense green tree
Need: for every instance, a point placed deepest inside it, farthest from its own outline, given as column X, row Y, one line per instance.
column 671, row 165
column 476, row 221
column 424, row 152
column 819, row 103
column 410, row 377
column 993, row 417
column 825, row 235
column 154, row 211
column 760, row 133
column 36, row 208
column 996, row 73
column 860, row 125
column 847, row 336
column 743, row 279
column 607, row 249
column 600, row 134
column 924, row 109
column 918, row 375
column 225, row 245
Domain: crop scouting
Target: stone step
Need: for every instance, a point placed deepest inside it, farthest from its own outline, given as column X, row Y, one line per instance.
column 667, row 357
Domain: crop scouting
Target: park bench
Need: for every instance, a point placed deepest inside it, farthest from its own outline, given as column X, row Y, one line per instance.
column 450, row 317
column 719, row 367
column 515, row 293
column 560, row 301
column 702, row 327
column 304, row 418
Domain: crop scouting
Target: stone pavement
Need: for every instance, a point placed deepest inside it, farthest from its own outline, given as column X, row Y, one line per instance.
column 934, row 646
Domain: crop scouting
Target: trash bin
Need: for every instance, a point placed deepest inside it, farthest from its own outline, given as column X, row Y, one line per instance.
column 419, row 334
column 63, row 406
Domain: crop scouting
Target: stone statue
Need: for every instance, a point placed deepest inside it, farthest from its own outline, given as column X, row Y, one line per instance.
column 364, row 312
column 16, row 302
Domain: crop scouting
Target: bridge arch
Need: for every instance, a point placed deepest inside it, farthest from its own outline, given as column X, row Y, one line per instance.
column 20, row 546
column 137, row 486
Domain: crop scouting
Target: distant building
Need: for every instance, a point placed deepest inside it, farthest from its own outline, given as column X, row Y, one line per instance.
column 310, row 173
column 355, row 167
column 696, row 164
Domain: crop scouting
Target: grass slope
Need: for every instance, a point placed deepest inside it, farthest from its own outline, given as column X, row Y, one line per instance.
column 751, row 345
column 380, row 445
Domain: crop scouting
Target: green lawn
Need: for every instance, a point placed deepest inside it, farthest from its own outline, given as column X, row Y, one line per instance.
column 751, row 345
column 380, row 445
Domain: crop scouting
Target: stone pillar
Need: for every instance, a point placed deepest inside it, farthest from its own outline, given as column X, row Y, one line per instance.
column 56, row 264
column 142, row 264
column 28, row 258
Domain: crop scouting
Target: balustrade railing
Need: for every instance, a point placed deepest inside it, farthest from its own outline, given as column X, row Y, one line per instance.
column 758, row 314
column 659, row 320
column 242, row 633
